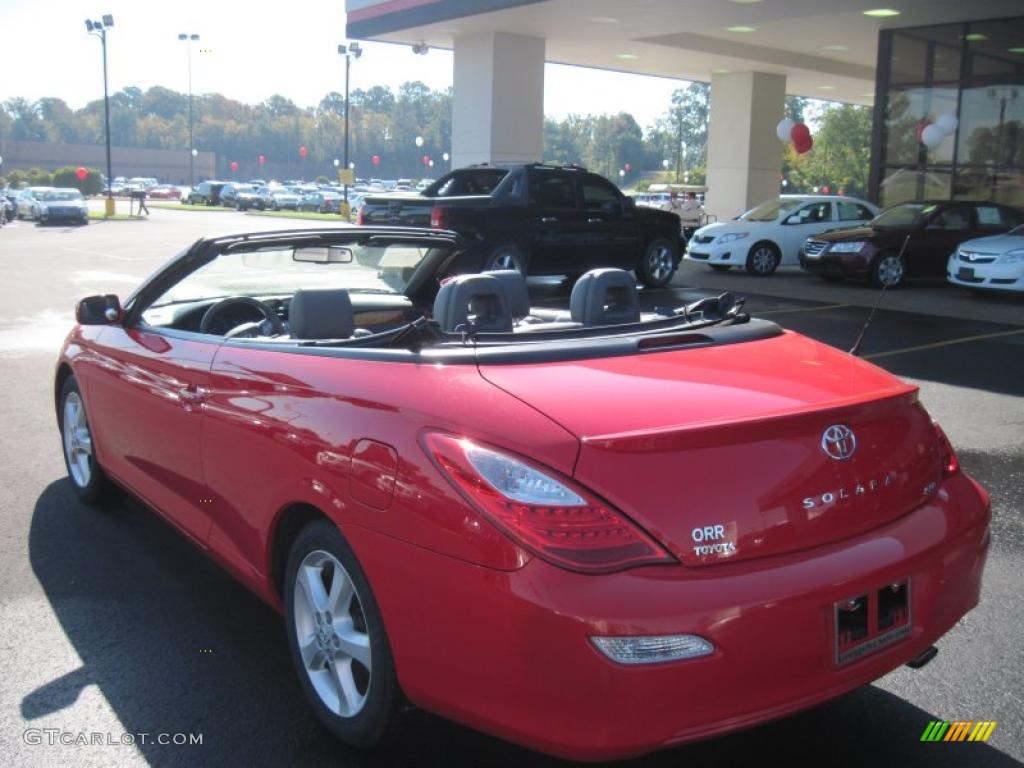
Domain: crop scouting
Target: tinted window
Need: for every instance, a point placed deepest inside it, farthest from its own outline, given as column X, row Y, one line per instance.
column 597, row 193
column 477, row 181
column 850, row 211
column 815, row 212
column 554, row 191
column 953, row 219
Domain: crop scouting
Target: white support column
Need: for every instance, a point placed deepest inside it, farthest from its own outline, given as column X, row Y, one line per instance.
column 744, row 154
column 498, row 110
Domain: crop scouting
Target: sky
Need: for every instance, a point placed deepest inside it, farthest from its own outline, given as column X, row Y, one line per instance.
column 252, row 49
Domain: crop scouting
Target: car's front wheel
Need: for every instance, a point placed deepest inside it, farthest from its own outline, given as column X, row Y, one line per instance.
column 87, row 477
column 337, row 639
column 888, row 270
column 763, row 258
column 658, row 263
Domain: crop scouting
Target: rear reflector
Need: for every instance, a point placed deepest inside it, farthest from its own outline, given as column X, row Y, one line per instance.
column 438, row 217
column 652, row 650
column 950, row 463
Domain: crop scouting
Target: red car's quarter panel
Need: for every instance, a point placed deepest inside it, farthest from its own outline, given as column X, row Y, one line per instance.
column 281, row 427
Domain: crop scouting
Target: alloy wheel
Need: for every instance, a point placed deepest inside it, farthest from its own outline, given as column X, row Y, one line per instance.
column 890, row 271
column 763, row 259
column 659, row 263
column 77, row 440
column 331, row 634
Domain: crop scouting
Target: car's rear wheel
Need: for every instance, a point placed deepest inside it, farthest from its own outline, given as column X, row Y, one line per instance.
column 87, row 477
column 506, row 256
column 337, row 639
column 720, row 267
column 763, row 258
column 658, row 263
column 888, row 270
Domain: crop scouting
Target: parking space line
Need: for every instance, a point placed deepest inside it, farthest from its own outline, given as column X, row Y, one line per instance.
column 801, row 309
column 947, row 343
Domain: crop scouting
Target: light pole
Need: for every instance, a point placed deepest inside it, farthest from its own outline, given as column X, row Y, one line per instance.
column 99, row 28
column 188, row 40
column 351, row 51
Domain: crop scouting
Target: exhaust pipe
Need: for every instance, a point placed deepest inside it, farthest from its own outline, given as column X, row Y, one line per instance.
column 919, row 661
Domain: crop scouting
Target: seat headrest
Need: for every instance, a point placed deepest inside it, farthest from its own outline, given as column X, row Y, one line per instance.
column 321, row 313
column 605, row 297
column 516, row 295
column 476, row 301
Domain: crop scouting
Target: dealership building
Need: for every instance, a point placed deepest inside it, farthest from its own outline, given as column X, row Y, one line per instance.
column 915, row 61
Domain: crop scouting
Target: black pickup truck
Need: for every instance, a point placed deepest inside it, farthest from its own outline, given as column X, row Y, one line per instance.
column 539, row 219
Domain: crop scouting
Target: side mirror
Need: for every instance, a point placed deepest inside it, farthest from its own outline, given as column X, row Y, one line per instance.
column 98, row 310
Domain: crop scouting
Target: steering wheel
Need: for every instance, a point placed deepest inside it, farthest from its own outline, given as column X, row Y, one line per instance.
column 209, row 323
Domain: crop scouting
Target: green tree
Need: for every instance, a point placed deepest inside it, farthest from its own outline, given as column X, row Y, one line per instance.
column 841, row 155
column 68, row 177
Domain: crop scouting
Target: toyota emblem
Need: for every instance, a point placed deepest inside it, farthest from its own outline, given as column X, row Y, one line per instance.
column 838, row 442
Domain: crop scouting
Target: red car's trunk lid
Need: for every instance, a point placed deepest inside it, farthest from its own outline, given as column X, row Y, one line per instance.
column 726, row 453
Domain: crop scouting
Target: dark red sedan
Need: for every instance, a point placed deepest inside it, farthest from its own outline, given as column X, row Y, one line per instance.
column 596, row 534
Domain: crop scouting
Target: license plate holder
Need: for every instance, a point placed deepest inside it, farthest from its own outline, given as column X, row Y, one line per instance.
column 966, row 273
column 870, row 621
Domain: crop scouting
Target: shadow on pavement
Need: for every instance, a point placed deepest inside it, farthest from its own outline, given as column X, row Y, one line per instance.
column 175, row 645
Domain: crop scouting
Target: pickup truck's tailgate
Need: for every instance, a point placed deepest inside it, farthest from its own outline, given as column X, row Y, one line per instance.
column 404, row 211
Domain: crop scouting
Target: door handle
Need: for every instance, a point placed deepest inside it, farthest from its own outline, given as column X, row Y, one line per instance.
column 190, row 396
column 548, row 219
column 594, row 221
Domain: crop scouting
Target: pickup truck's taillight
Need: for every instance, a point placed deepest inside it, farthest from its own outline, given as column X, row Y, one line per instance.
column 361, row 217
column 438, row 217
column 553, row 517
column 950, row 463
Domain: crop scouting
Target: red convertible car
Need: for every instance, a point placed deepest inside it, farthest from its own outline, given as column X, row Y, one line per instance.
column 595, row 533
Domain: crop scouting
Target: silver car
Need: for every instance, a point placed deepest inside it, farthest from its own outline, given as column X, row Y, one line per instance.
column 28, row 202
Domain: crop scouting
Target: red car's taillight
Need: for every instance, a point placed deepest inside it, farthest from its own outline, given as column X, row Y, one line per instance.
column 438, row 217
column 551, row 516
column 950, row 463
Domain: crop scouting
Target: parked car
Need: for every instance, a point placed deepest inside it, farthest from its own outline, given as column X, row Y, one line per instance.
column 164, row 192
column 9, row 201
column 282, row 198
column 62, row 204
column 535, row 527
column 770, row 235
column 539, row 219
column 321, row 201
column 241, row 197
column 205, row 193
column 28, row 206
column 993, row 263
column 913, row 239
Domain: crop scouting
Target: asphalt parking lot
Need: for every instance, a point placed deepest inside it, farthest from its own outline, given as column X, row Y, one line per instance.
column 114, row 624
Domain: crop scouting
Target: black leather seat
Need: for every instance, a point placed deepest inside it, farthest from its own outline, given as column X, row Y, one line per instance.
column 605, row 297
column 472, row 303
column 321, row 313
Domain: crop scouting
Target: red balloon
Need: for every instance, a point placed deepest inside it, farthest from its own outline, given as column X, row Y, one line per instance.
column 234, row 166
column 303, row 151
column 628, row 167
column 81, row 173
column 375, row 159
column 261, row 159
column 824, row 190
column 921, row 125
column 803, row 146
column 425, row 159
column 799, row 132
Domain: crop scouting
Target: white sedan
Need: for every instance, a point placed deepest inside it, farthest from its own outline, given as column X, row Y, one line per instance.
column 771, row 234
column 994, row 263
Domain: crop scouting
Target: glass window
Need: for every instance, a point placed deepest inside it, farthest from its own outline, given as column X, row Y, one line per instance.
column 991, row 130
column 815, row 212
column 989, row 216
column 954, row 218
column 909, row 58
column 770, row 210
column 597, row 193
column 850, row 211
column 909, row 111
column 554, row 191
column 901, row 184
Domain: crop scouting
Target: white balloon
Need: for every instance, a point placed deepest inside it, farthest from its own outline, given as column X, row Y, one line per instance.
column 784, row 128
column 932, row 136
column 419, row 141
column 947, row 122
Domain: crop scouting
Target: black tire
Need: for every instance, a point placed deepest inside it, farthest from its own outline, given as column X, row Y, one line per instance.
column 506, row 256
column 720, row 267
column 659, row 263
column 763, row 258
column 888, row 270
column 379, row 714
column 98, row 485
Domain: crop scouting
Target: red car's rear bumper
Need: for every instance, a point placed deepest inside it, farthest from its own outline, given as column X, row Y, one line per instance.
column 509, row 652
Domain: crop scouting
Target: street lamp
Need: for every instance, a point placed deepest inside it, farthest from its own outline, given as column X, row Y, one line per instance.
column 99, row 28
column 188, row 40
column 351, row 51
